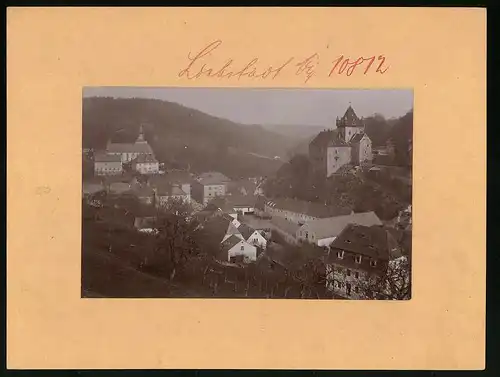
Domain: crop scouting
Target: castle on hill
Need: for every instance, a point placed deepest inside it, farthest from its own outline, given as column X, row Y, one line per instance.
column 347, row 144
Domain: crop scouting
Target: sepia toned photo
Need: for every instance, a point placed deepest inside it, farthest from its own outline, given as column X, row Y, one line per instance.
column 247, row 193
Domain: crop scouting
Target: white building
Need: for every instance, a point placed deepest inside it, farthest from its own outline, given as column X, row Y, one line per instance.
column 130, row 151
column 107, row 164
column 235, row 248
column 146, row 164
column 358, row 255
column 252, row 236
column 323, row 232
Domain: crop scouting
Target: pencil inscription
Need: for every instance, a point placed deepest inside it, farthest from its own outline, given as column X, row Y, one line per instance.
column 200, row 65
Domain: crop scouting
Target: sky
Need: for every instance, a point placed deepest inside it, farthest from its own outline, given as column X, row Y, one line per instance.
column 316, row 107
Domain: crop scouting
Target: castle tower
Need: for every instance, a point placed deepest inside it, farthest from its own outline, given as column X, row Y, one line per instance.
column 350, row 124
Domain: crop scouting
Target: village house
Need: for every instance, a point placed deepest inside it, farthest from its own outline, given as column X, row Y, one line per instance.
column 243, row 204
column 234, row 248
column 170, row 193
column 107, row 164
column 222, row 227
column 163, row 182
column 357, row 254
column 252, row 236
column 208, row 186
column 323, row 232
column 347, row 144
column 92, row 186
column 129, row 151
column 300, row 212
column 242, row 187
column 146, row 164
column 221, row 206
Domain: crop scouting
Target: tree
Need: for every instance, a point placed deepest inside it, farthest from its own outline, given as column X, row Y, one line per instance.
column 176, row 243
column 394, row 284
column 178, row 206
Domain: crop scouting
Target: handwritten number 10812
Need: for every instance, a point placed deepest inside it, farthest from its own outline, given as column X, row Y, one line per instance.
column 346, row 66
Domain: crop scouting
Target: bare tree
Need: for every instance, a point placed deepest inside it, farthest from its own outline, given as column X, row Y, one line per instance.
column 394, row 284
column 178, row 207
column 176, row 242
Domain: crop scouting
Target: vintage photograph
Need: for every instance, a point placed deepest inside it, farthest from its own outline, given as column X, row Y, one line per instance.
column 247, row 193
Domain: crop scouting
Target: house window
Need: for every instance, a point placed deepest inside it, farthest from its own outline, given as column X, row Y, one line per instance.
column 340, row 254
column 348, row 272
column 356, row 275
column 357, row 259
column 307, row 235
column 348, row 288
column 356, row 289
column 242, row 247
column 373, row 263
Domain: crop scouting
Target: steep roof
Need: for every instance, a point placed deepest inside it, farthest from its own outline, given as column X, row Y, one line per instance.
column 236, row 200
column 350, row 119
column 246, row 231
column 217, row 226
column 220, row 203
column 231, row 242
column 248, row 185
column 312, row 209
column 369, row 241
column 181, row 177
column 141, row 147
column 144, row 158
column 103, row 157
column 285, row 225
column 213, row 178
column 323, row 138
column 169, row 189
column 333, row 226
column 357, row 138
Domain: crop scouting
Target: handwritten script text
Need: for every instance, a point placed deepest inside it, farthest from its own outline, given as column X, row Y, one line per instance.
column 199, row 66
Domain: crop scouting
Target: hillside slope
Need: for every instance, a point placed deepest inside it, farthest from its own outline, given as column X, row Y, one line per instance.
column 184, row 136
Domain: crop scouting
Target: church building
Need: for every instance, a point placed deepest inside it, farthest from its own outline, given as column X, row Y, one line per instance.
column 347, row 144
column 130, row 151
column 140, row 154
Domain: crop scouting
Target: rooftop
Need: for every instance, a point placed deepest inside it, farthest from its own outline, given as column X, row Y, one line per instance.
column 357, row 138
column 350, row 119
column 144, row 158
column 238, row 200
column 370, row 241
column 312, row 209
column 179, row 177
column 230, row 242
column 328, row 138
column 103, row 157
column 141, row 147
column 332, row 226
column 246, row 231
column 285, row 225
column 213, row 178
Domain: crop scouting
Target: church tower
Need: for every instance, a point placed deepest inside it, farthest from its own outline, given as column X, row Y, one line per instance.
column 140, row 138
column 350, row 125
